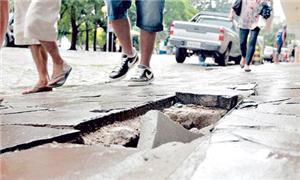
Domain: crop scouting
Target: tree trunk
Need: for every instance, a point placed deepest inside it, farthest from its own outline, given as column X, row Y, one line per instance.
column 95, row 38
column 95, row 29
column 74, row 29
column 87, row 36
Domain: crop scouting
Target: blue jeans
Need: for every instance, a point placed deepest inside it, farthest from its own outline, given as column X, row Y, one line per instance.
column 248, row 52
column 149, row 13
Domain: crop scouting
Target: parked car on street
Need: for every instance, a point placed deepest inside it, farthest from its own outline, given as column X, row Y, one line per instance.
column 268, row 53
column 206, row 35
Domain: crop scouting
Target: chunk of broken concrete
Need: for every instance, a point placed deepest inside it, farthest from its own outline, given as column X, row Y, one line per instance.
column 158, row 129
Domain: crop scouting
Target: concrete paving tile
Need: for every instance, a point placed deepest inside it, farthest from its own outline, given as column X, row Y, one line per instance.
column 13, row 136
column 272, row 138
column 61, row 161
column 247, row 161
column 251, row 118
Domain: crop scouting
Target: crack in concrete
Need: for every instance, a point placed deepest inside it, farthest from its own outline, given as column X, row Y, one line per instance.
column 45, row 125
column 249, row 127
column 281, row 114
column 275, row 101
column 92, row 96
column 29, row 111
column 293, row 88
column 259, row 143
column 106, row 110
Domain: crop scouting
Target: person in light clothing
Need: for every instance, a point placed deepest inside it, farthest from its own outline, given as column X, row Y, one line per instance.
column 3, row 24
column 249, row 23
column 36, row 25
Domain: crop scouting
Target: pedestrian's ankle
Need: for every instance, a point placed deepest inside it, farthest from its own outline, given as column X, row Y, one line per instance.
column 132, row 54
column 43, row 82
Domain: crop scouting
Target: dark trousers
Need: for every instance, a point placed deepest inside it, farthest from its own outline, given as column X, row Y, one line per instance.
column 248, row 52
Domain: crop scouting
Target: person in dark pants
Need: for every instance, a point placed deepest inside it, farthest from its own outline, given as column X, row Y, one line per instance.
column 249, row 24
column 247, row 53
column 280, row 42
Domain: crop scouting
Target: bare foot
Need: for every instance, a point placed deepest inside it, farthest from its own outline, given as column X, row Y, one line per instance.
column 41, row 86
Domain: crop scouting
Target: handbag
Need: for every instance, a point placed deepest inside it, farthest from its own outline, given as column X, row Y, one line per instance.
column 237, row 7
column 265, row 10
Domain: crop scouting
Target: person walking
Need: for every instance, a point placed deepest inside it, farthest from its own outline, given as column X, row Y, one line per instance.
column 280, row 41
column 149, row 20
column 3, row 20
column 3, row 25
column 35, row 25
column 249, row 18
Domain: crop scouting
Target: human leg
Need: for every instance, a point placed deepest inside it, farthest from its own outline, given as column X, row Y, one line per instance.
column 251, row 45
column 3, row 20
column 117, row 13
column 150, row 22
column 278, row 52
column 243, row 45
column 40, row 24
column 40, row 58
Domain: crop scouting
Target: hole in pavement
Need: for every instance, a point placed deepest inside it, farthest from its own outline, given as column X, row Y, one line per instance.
column 196, row 113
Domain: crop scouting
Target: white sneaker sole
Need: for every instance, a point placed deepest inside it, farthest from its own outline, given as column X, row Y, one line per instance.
column 135, row 84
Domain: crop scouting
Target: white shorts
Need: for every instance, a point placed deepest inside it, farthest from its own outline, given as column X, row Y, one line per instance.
column 35, row 20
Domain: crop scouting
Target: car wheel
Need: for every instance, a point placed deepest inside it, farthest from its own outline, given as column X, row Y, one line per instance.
column 180, row 55
column 223, row 59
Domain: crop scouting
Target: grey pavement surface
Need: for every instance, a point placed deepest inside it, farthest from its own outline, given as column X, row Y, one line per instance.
column 260, row 139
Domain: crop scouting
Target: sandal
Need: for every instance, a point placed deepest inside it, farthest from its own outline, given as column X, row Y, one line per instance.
column 62, row 78
column 38, row 89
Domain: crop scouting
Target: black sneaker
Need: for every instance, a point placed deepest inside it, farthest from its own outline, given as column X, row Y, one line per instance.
column 120, row 71
column 143, row 76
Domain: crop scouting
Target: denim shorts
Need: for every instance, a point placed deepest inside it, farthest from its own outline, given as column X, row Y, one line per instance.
column 149, row 13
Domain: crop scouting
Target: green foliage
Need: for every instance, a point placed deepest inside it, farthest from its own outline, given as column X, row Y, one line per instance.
column 178, row 10
column 221, row 6
column 84, row 14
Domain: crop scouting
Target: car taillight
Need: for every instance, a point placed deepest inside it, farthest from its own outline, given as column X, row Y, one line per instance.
column 172, row 29
column 221, row 34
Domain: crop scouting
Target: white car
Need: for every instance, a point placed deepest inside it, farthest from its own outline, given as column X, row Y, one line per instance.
column 206, row 35
column 268, row 53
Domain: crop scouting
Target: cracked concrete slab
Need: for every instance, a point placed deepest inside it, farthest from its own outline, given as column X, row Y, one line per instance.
column 158, row 129
column 251, row 118
column 284, row 109
column 245, row 87
column 61, row 161
column 15, row 137
column 159, row 163
column 247, row 160
column 272, row 138
column 226, row 156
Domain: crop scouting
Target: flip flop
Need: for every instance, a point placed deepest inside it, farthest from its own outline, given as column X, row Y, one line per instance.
column 38, row 89
column 60, row 79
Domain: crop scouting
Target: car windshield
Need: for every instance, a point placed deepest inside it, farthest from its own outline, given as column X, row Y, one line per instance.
column 214, row 21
